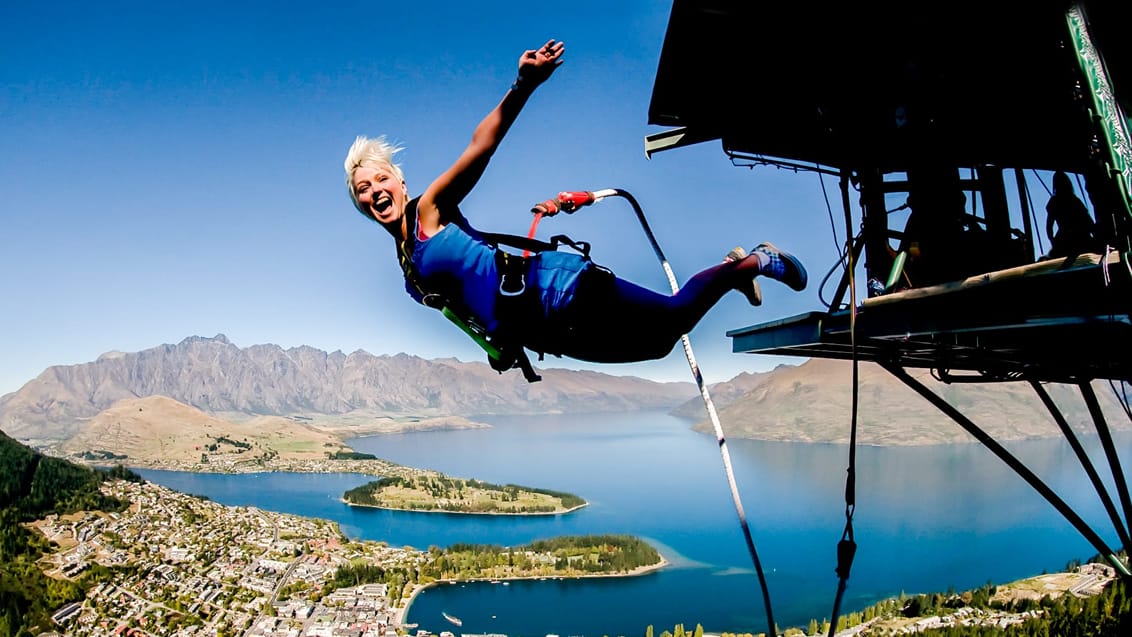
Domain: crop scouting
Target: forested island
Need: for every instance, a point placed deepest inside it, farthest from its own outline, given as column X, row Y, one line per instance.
column 440, row 493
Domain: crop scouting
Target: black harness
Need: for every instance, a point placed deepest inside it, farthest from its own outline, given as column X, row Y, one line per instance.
column 505, row 346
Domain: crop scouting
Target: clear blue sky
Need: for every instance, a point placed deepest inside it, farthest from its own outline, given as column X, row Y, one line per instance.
column 175, row 169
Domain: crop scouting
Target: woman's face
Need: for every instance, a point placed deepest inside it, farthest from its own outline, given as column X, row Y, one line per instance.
column 381, row 194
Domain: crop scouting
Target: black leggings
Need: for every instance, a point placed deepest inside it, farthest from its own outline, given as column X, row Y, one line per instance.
column 612, row 320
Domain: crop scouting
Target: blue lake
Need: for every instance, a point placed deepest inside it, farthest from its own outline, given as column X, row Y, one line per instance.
column 927, row 519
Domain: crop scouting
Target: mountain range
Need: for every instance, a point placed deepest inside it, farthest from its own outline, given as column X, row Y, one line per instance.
column 219, row 378
column 813, row 402
column 306, row 394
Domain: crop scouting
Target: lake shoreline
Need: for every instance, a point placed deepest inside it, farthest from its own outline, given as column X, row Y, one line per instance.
column 402, row 611
column 661, row 481
column 518, row 513
column 370, row 467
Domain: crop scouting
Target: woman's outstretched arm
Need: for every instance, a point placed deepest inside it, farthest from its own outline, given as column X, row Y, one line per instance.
column 446, row 192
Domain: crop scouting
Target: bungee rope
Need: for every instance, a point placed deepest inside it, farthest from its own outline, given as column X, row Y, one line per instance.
column 569, row 202
column 533, row 230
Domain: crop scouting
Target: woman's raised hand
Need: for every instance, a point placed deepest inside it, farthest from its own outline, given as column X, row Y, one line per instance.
column 536, row 65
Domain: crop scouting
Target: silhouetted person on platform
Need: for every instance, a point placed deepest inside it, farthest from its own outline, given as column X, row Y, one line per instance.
column 1069, row 226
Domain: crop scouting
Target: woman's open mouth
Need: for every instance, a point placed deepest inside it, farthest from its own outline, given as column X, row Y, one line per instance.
column 383, row 204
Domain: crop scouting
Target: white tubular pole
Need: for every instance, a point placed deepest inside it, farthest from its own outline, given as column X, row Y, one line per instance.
column 598, row 196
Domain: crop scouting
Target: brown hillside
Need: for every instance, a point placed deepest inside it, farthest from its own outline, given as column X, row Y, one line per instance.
column 812, row 402
column 153, row 429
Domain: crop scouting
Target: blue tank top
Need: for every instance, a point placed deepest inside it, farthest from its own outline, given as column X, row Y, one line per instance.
column 458, row 264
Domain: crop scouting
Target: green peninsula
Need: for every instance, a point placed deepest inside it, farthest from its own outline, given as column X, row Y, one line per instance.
column 444, row 494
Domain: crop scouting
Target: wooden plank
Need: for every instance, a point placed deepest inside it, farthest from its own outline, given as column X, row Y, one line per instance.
column 1040, row 268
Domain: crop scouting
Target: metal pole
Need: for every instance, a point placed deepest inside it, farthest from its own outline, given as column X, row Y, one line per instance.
column 1109, row 449
column 1087, row 464
column 1033, row 480
column 771, row 625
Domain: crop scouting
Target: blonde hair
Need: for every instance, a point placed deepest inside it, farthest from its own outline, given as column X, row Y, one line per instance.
column 370, row 152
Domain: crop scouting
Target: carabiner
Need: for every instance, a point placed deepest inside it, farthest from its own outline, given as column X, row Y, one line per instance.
column 503, row 287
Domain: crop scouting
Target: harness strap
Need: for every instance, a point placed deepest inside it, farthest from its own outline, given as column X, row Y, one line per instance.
column 504, row 349
column 405, row 258
column 513, row 299
column 510, row 300
column 515, row 241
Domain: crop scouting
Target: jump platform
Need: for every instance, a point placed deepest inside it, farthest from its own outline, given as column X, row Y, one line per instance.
column 1056, row 320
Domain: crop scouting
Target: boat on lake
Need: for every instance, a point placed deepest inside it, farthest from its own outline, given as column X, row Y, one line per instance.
column 452, row 618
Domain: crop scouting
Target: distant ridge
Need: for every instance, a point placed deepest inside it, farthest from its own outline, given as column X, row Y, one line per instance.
column 809, row 402
column 219, row 378
column 812, row 402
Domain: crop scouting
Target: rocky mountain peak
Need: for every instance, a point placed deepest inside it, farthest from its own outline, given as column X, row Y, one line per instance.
column 218, row 377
